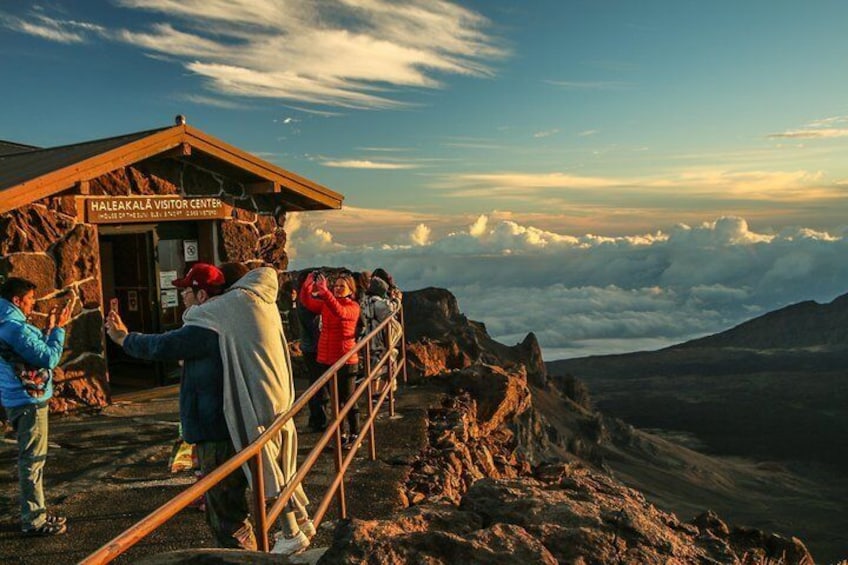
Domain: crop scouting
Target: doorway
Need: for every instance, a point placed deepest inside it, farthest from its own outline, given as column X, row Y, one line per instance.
column 138, row 264
column 127, row 267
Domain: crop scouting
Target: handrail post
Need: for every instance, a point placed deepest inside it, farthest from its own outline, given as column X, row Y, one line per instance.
column 259, row 502
column 371, row 435
column 403, row 344
column 337, row 456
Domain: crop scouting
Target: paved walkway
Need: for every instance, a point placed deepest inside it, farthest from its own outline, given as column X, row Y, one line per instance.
column 108, row 470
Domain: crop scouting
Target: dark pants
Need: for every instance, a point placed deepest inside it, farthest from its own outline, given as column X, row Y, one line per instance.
column 318, row 403
column 227, row 510
column 347, row 384
column 30, row 425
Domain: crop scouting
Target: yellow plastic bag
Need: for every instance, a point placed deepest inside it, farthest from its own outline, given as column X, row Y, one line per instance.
column 181, row 456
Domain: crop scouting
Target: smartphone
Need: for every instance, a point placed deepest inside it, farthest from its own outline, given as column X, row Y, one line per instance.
column 113, row 305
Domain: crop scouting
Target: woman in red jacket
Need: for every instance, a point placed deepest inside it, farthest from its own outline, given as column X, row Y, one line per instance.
column 339, row 313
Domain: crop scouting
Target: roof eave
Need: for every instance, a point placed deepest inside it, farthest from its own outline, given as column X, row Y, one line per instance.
column 279, row 180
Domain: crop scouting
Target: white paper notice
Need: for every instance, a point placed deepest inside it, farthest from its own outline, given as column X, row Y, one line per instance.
column 165, row 278
column 169, row 298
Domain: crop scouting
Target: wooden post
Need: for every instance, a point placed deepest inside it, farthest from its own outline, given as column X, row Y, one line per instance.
column 337, row 456
column 259, row 502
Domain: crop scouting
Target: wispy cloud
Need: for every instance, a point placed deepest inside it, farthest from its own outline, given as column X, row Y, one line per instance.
column 316, row 112
column 811, row 134
column 367, row 164
column 385, row 149
column 702, row 189
column 536, row 180
column 213, row 102
column 546, row 133
column 824, row 128
column 52, row 29
column 472, row 143
column 588, row 132
column 589, row 85
column 338, row 53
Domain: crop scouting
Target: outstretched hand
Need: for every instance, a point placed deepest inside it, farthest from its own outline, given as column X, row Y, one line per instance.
column 115, row 328
column 321, row 284
column 59, row 318
column 65, row 315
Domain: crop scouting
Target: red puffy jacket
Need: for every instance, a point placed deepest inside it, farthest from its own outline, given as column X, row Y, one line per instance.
column 338, row 324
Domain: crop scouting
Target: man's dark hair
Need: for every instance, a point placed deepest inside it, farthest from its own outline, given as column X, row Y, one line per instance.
column 16, row 287
column 233, row 271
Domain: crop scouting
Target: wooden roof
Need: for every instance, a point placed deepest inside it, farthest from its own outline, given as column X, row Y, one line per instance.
column 28, row 174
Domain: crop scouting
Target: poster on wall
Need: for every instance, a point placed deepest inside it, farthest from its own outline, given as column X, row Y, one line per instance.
column 166, row 279
column 169, row 298
column 190, row 250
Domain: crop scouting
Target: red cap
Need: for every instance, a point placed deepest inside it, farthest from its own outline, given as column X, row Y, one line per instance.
column 202, row 276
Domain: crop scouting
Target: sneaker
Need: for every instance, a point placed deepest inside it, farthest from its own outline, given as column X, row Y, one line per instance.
column 308, row 528
column 288, row 546
column 58, row 520
column 349, row 441
column 47, row 529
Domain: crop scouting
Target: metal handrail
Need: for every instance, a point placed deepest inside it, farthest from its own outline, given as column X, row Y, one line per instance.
column 252, row 453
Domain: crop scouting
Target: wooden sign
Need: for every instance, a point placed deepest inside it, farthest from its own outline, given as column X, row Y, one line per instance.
column 135, row 209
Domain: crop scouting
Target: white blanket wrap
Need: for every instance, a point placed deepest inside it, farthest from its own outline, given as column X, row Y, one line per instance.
column 258, row 383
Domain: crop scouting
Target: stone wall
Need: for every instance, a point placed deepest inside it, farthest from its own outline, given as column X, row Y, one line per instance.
column 44, row 242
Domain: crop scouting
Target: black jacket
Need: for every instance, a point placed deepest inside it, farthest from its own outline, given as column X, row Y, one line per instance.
column 202, row 385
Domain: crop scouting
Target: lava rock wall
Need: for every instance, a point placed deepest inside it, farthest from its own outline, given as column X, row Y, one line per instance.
column 47, row 243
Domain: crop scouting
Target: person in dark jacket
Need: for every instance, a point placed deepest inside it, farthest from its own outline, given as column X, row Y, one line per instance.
column 25, row 399
column 310, row 331
column 201, row 401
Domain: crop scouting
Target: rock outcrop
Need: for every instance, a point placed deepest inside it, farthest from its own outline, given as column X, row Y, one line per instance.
column 497, row 483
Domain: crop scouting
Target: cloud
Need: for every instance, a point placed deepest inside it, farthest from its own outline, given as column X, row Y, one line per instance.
column 589, row 85
column 536, row 180
column 52, row 29
column 588, row 132
column 213, row 102
column 585, row 293
column 546, row 133
column 313, row 111
column 811, row 134
column 338, row 53
column 817, row 129
column 421, row 235
column 677, row 189
column 366, row 164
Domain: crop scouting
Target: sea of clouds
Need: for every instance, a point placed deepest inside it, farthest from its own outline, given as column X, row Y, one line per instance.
column 589, row 294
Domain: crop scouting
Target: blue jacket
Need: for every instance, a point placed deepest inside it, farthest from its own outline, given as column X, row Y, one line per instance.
column 202, row 384
column 33, row 346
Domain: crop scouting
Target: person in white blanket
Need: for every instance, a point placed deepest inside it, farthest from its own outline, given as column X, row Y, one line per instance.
column 258, row 386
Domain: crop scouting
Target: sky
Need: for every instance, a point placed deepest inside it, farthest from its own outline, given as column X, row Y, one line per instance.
column 612, row 175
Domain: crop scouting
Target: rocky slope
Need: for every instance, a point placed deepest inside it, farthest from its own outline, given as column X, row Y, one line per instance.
column 516, row 469
column 769, row 394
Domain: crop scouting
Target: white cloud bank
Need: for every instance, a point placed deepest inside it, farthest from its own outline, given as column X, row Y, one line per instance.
column 591, row 294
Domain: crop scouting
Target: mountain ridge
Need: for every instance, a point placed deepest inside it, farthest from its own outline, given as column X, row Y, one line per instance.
column 770, row 390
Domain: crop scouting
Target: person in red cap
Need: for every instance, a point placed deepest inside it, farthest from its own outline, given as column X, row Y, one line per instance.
column 201, row 401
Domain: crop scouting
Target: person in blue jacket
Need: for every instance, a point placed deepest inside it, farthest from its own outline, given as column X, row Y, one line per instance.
column 25, row 390
column 201, row 401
